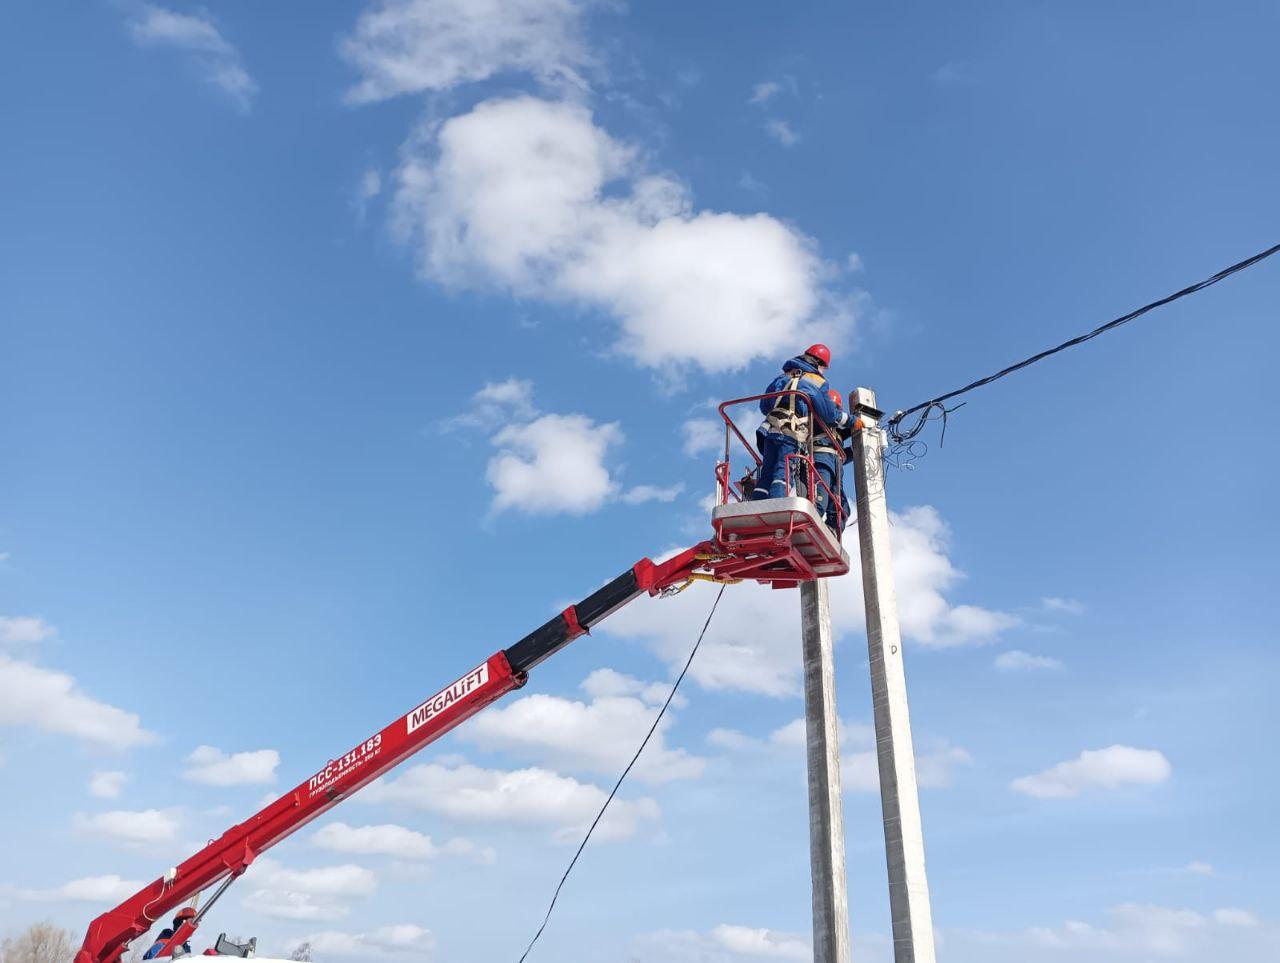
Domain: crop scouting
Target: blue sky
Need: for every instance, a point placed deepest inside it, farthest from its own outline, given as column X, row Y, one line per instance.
column 342, row 345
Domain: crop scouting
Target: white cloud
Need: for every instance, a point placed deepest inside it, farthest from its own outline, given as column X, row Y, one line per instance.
column 306, row 894
column 405, row 939
column 1133, row 931
column 532, row 196
column 763, row 92
column 88, row 889
column 1198, row 868
column 400, row 842
column 782, row 132
column 546, row 463
column 21, row 629
column 643, row 494
column 555, row 463
column 387, row 839
column 726, row 943
column 49, row 700
column 147, row 828
column 1015, row 660
column 107, row 785
column 1110, row 768
column 753, row 941
column 497, row 403
column 599, row 736
column 217, row 59
column 530, row 796
column 854, row 263
column 751, row 644
column 1053, row 603
column 367, row 188
column 213, row 767
column 414, row 46
column 1234, row 917
column 603, row 683
column 702, row 435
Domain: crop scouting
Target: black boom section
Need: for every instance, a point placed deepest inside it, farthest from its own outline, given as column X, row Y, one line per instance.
column 601, row 603
column 553, row 636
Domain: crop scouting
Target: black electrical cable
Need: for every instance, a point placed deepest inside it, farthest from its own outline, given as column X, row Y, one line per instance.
column 939, row 403
column 600, row 815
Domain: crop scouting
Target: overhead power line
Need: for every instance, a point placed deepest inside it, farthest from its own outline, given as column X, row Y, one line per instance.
column 600, row 815
column 938, row 405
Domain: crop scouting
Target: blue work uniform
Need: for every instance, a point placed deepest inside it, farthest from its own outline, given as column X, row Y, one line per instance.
column 165, row 935
column 830, row 466
column 786, row 427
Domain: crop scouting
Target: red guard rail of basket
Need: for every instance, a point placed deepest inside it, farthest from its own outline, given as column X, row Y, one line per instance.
column 787, row 541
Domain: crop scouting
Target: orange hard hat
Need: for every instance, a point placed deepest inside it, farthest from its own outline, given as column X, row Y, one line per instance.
column 821, row 352
column 835, row 396
column 185, row 913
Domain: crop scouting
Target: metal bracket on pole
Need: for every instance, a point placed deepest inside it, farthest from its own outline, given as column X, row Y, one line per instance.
column 899, row 797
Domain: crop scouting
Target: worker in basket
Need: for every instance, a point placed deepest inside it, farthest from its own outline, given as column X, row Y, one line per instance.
column 166, row 934
column 786, row 425
column 829, row 460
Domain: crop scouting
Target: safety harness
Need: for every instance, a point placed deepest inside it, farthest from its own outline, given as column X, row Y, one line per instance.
column 785, row 418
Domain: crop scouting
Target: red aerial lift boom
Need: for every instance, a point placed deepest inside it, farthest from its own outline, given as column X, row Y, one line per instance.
column 778, row 541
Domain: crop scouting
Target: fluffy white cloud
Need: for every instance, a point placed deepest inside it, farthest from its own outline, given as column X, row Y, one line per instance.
column 1110, row 768
column 1015, row 660
column 413, row 46
column 21, row 629
column 726, row 943
column 754, row 941
column 525, row 796
column 147, row 827
column 1234, row 917
column 1053, row 603
column 306, row 894
column 599, row 736
column 34, row 696
column 546, row 463
column 763, row 92
column 404, row 939
column 702, row 435
column 107, row 785
column 602, row 683
column 219, row 62
column 643, row 494
column 88, row 889
column 530, row 195
column 555, row 463
column 1133, row 931
column 389, row 839
column 752, row 644
column 213, row 767
column 782, row 132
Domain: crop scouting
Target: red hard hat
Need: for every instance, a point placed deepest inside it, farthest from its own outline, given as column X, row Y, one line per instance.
column 185, row 913
column 835, row 396
column 821, row 352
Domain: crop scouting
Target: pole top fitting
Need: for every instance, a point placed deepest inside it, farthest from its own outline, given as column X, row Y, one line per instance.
column 862, row 402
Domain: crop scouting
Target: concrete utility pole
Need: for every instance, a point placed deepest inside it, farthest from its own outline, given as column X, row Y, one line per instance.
column 899, row 797
column 826, row 813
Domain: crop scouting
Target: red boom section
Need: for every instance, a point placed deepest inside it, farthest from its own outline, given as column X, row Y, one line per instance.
column 232, row 853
